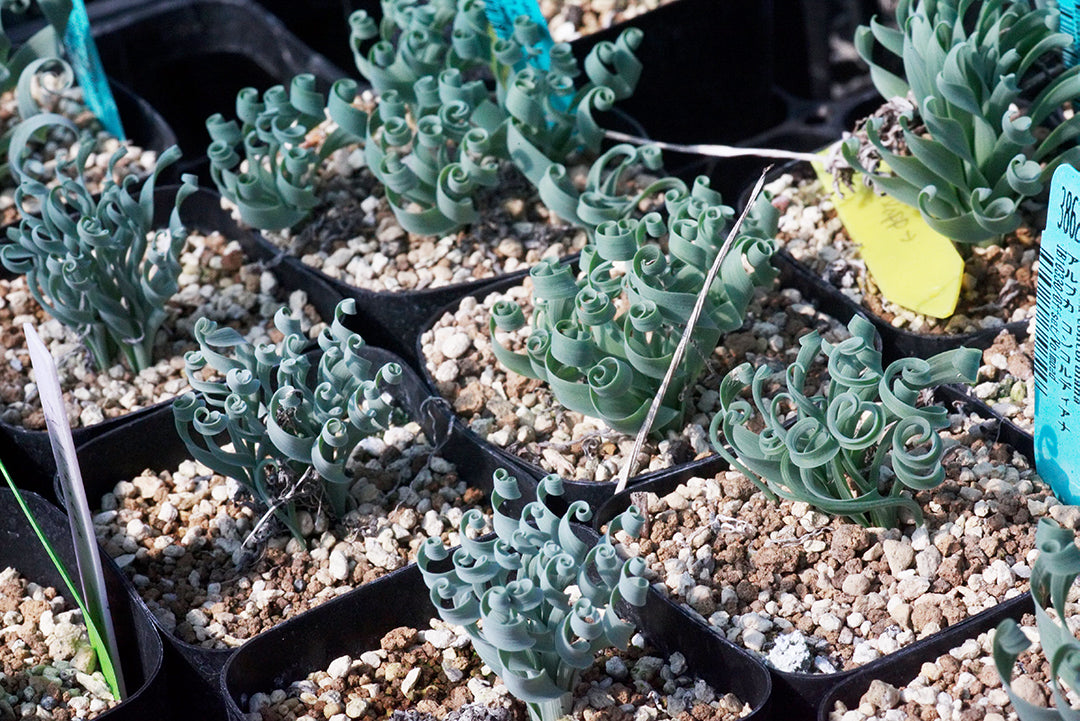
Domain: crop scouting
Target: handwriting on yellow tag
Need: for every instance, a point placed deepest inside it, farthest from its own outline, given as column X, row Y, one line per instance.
column 913, row 265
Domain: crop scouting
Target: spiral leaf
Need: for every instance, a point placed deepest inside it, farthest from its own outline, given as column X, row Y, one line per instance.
column 511, row 593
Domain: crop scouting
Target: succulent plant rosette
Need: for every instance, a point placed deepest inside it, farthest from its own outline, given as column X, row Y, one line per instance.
column 435, row 143
column 969, row 135
column 277, row 424
column 853, row 449
column 537, row 601
column 603, row 338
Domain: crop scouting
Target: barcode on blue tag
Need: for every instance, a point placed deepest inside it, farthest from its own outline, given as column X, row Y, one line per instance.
column 1067, row 24
column 502, row 13
column 1057, row 340
column 83, row 56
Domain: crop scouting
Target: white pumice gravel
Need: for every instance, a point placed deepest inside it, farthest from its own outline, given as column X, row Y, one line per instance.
column 1006, row 379
column 428, row 674
column 523, row 416
column 185, row 539
column 963, row 684
column 353, row 236
column 48, row 669
column 817, row 594
column 216, row 282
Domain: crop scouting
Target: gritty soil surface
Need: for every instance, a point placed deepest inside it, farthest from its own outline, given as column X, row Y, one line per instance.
column 817, row 594
column 998, row 284
column 522, row 415
column 216, row 282
column 571, row 19
column 215, row 576
column 963, row 684
column 434, row 674
column 69, row 104
column 353, row 236
column 1007, row 378
column 48, row 670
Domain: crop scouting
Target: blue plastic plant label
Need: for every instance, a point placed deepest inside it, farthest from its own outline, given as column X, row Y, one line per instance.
column 1057, row 340
column 83, row 56
column 502, row 13
column 1068, row 25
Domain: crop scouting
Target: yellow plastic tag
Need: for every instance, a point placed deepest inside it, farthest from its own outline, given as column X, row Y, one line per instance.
column 914, row 266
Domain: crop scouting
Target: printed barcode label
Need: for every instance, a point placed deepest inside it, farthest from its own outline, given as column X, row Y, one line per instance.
column 1057, row 340
column 1067, row 25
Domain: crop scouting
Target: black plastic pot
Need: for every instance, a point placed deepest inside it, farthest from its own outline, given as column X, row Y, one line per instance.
column 138, row 641
column 31, row 451
column 708, row 69
column 896, row 342
column 799, row 695
column 906, row 666
column 124, row 452
column 354, row 622
column 189, row 58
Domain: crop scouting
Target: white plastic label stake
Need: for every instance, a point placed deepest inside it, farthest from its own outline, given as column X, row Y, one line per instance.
column 78, row 511
column 1057, row 340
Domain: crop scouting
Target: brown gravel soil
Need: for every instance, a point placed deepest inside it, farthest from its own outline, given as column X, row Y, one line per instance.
column 1007, row 378
column 571, row 19
column 810, row 593
column 69, row 103
column 353, row 236
column 963, row 684
column 215, row 282
column 521, row 415
column 215, row 575
column 998, row 285
column 423, row 675
column 48, row 669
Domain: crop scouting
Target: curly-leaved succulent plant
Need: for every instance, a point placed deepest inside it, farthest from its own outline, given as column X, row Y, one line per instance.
column 854, row 447
column 536, row 600
column 603, row 341
column 437, row 134
column 973, row 144
column 279, row 427
column 1052, row 577
column 95, row 264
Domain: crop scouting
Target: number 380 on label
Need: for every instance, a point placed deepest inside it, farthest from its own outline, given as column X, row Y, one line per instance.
column 1068, row 223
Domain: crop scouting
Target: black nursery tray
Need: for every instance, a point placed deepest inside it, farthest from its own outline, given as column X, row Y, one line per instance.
column 189, row 58
column 801, row 695
column 354, row 622
column 137, row 639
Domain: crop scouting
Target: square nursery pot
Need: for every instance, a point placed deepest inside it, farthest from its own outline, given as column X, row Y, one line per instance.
column 707, row 72
column 138, row 641
column 151, row 441
column 802, row 695
column 189, row 58
column 31, row 452
column 907, row 667
column 896, row 342
column 354, row 623
column 595, row 493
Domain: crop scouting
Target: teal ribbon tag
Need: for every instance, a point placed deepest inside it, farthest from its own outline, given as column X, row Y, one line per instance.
column 1057, row 340
column 84, row 59
column 502, row 13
